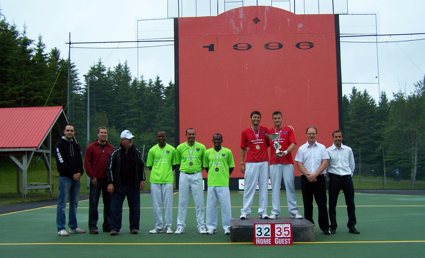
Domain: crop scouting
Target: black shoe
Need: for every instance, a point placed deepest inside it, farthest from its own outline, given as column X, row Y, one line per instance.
column 333, row 231
column 134, row 231
column 353, row 230
column 94, row 231
column 327, row 232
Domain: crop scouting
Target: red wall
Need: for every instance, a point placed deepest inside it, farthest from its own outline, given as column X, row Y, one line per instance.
column 256, row 65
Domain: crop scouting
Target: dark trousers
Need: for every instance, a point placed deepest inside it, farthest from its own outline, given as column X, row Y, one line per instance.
column 133, row 201
column 318, row 191
column 95, row 191
column 336, row 183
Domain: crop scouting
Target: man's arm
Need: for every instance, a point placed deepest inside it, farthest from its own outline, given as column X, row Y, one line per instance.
column 242, row 159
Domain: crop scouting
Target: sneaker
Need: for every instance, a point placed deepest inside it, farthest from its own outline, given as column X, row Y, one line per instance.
column 155, row 231
column 297, row 216
column 202, row 230
column 211, row 231
column 63, row 232
column 94, row 231
column 227, row 232
column 77, row 231
column 273, row 216
column 243, row 216
column 113, row 232
column 179, row 230
column 134, row 231
column 264, row 216
column 168, row 230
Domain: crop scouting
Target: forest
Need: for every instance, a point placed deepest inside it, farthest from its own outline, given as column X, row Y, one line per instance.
column 385, row 135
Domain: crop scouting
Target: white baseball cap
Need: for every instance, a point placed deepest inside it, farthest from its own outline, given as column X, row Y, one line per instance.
column 126, row 134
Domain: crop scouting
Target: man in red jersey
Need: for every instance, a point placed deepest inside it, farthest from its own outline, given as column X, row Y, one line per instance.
column 254, row 165
column 282, row 143
column 96, row 162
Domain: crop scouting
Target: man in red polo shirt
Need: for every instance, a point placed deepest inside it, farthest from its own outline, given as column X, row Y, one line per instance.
column 254, row 164
column 282, row 143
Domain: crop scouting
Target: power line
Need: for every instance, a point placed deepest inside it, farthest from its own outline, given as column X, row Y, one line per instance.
column 151, row 46
column 381, row 42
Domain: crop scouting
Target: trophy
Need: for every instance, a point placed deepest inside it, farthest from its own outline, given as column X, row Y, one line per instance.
column 275, row 138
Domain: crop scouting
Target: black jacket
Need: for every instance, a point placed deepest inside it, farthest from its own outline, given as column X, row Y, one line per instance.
column 114, row 167
column 68, row 158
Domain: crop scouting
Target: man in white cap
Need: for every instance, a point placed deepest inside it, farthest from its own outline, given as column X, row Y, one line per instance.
column 126, row 177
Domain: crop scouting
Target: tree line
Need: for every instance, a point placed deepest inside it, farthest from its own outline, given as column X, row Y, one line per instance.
column 384, row 135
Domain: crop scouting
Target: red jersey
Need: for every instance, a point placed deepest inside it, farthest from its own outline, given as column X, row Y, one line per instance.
column 286, row 138
column 256, row 142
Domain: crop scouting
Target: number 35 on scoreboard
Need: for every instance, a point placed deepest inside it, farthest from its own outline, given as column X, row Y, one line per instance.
column 273, row 234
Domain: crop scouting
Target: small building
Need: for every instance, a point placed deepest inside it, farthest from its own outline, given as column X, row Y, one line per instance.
column 26, row 132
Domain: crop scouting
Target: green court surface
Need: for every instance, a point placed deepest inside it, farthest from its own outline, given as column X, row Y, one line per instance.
column 391, row 226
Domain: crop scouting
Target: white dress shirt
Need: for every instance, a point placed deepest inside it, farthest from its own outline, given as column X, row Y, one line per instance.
column 311, row 155
column 341, row 161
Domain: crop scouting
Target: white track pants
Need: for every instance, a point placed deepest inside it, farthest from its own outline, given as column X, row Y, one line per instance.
column 162, row 198
column 255, row 173
column 222, row 194
column 277, row 172
column 187, row 183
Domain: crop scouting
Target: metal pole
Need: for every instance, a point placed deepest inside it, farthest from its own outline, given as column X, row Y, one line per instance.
column 88, row 110
column 68, row 91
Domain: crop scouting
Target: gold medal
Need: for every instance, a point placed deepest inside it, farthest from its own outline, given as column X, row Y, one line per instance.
column 257, row 146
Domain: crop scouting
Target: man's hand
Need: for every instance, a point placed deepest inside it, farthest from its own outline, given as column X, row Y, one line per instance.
column 94, row 181
column 243, row 168
column 76, row 176
column 142, row 185
column 111, row 188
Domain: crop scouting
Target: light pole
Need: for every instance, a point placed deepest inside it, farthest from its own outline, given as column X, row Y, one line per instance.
column 91, row 78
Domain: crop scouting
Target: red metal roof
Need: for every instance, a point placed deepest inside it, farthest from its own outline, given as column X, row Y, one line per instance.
column 26, row 127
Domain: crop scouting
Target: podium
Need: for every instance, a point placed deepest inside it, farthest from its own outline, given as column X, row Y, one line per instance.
column 243, row 230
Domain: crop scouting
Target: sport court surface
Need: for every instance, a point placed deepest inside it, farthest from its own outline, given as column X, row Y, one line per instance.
column 391, row 225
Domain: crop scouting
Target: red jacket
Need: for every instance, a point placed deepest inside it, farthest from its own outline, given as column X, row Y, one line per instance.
column 97, row 158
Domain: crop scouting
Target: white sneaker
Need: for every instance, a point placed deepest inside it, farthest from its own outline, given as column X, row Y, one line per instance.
column 168, row 230
column 264, row 216
column 211, row 231
column 227, row 232
column 273, row 216
column 77, row 231
column 243, row 216
column 63, row 232
column 202, row 230
column 179, row 230
column 155, row 231
column 297, row 216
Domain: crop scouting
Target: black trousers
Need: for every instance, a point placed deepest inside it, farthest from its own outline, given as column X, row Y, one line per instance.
column 95, row 191
column 318, row 191
column 336, row 183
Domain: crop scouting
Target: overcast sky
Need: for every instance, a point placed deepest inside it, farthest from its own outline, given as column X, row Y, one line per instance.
column 401, row 63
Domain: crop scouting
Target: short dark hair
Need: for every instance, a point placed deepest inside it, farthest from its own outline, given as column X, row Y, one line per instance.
column 337, row 131
column 218, row 134
column 277, row 112
column 101, row 127
column 69, row 125
column 255, row 112
column 311, row 126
